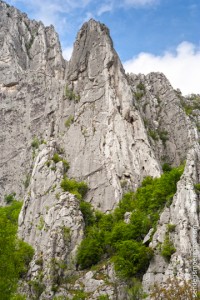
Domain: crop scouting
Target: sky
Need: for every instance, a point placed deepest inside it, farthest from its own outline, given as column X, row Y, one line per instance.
column 149, row 35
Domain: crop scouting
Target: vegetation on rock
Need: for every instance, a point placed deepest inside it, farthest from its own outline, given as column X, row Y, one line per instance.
column 15, row 254
column 108, row 236
column 79, row 189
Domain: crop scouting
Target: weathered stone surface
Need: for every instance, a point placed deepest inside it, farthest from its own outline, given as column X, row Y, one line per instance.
column 31, row 72
column 170, row 130
column 113, row 128
column 51, row 222
column 184, row 214
column 111, row 144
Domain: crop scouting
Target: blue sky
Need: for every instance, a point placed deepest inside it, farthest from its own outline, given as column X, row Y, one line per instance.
column 149, row 35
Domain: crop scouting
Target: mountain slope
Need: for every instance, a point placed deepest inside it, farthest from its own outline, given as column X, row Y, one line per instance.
column 111, row 128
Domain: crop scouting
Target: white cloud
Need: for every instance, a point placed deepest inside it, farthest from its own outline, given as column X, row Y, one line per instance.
column 139, row 2
column 67, row 52
column 105, row 8
column 51, row 11
column 182, row 68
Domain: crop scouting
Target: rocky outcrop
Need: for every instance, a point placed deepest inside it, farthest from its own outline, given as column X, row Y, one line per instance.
column 111, row 144
column 170, row 130
column 31, row 72
column 181, row 223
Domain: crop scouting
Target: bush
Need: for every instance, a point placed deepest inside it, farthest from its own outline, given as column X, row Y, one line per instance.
column 171, row 227
column 197, row 188
column 153, row 134
column 167, row 248
column 138, row 95
column 66, row 165
column 56, row 158
column 141, row 86
column 90, row 251
column 79, row 189
column 166, row 167
column 163, row 136
column 15, row 254
column 109, row 236
column 88, row 215
column 35, row 143
column 70, row 94
column 132, row 258
column 9, row 198
column 125, row 205
column 69, row 121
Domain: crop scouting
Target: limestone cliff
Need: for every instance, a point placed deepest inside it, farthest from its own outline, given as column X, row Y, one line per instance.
column 113, row 129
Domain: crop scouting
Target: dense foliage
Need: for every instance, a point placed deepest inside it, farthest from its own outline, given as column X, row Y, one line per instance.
column 108, row 236
column 15, row 254
column 79, row 189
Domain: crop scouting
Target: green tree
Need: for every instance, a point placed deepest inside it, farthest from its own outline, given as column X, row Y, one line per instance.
column 132, row 258
column 15, row 254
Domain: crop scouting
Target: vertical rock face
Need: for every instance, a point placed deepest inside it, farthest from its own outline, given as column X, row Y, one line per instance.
column 113, row 128
column 170, row 130
column 26, row 45
column 31, row 72
column 107, row 137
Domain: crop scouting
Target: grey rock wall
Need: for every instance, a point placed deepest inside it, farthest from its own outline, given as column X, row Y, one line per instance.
column 113, row 129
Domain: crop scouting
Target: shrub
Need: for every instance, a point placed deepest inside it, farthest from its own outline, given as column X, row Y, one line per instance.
column 197, row 188
column 35, row 143
column 56, row 158
column 167, row 248
column 79, row 189
column 90, row 251
column 171, row 227
column 132, row 258
column 65, row 165
column 163, row 136
column 138, row 95
column 69, row 121
column 125, row 205
column 166, row 167
column 15, row 254
column 141, row 86
column 109, row 236
column 70, row 94
column 9, row 198
column 153, row 134
column 88, row 215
